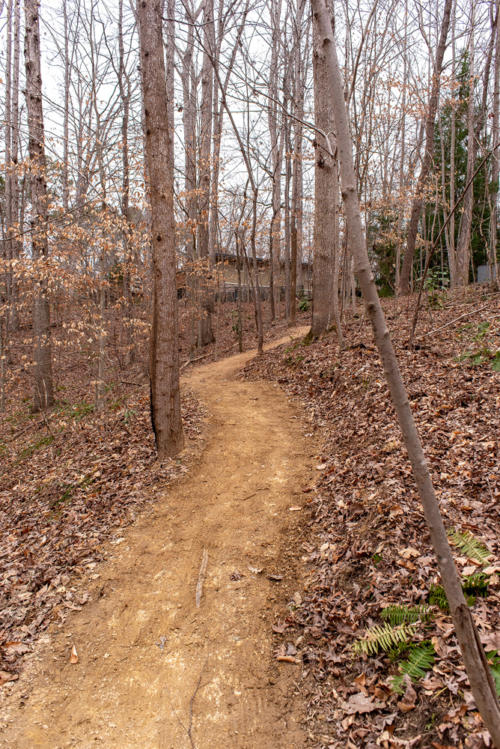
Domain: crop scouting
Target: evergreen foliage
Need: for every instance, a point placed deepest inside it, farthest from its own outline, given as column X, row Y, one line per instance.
column 420, row 660
column 470, row 546
column 396, row 615
column 383, row 637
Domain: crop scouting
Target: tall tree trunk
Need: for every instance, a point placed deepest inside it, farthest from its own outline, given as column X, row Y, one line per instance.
column 495, row 169
column 67, row 83
column 481, row 681
column 298, row 84
column 44, row 388
column 276, row 161
column 464, row 237
column 17, row 242
column 418, row 200
column 205, row 332
column 325, row 292
column 164, row 367
column 124, row 86
column 8, row 188
column 452, row 254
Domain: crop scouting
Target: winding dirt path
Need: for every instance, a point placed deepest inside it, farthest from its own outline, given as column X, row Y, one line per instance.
column 156, row 670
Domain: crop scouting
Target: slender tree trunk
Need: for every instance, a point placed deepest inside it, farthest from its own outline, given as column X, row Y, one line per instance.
column 276, row 161
column 164, row 368
column 8, row 188
column 325, row 291
column 452, row 254
column 44, row 388
column 205, row 332
column 288, row 181
column 495, row 169
column 478, row 671
column 464, row 237
column 418, row 200
column 67, row 83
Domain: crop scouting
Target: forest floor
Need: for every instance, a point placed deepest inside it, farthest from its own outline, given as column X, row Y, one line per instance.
column 173, row 646
column 368, row 547
column 103, row 550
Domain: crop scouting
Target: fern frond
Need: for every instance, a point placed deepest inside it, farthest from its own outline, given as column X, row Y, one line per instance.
column 437, row 597
column 396, row 684
column 383, row 638
column 420, row 660
column 406, row 614
column 470, row 546
column 476, row 585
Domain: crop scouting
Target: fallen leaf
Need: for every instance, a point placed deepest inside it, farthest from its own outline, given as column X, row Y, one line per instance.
column 6, row 676
column 409, row 552
column 286, row 659
column 19, row 648
column 409, row 699
column 360, row 703
column 275, row 578
column 74, row 655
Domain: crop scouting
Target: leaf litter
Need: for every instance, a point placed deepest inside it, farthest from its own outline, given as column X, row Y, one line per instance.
column 367, row 546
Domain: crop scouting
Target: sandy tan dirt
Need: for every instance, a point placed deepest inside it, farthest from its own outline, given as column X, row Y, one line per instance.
column 154, row 669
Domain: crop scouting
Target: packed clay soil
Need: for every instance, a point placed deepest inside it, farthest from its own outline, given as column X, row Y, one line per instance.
column 174, row 648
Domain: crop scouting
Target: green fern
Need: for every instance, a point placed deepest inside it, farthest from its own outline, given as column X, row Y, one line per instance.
column 437, row 597
column 476, row 585
column 383, row 638
column 420, row 660
column 406, row 614
column 470, row 546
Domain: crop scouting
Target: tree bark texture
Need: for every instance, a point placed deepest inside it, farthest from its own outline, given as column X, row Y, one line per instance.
column 478, row 671
column 325, row 293
column 205, row 332
column 164, row 367
column 495, row 169
column 43, row 383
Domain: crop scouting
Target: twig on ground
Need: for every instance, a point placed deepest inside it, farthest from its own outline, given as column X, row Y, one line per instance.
column 201, row 577
column 446, row 325
column 198, row 358
column 191, row 703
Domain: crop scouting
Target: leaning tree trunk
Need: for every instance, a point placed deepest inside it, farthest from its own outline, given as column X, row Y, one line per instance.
column 418, row 200
column 478, row 671
column 44, row 389
column 164, row 373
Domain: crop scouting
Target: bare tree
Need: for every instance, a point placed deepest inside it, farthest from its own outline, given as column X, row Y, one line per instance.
column 205, row 332
column 44, row 388
column 418, row 200
column 495, row 171
column 325, row 306
column 164, row 366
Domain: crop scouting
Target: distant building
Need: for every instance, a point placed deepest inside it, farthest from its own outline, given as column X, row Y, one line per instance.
column 484, row 274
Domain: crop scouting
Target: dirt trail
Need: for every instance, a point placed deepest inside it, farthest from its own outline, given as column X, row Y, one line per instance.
column 154, row 669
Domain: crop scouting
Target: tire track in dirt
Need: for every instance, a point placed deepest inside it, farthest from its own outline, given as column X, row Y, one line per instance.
column 155, row 670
